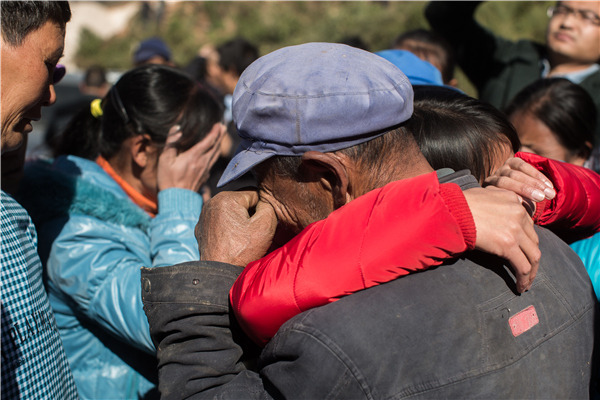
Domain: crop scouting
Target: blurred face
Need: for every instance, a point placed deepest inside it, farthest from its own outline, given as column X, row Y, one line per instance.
column 574, row 31
column 26, row 81
column 160, row 60
column 537, row 138
column 214, row 72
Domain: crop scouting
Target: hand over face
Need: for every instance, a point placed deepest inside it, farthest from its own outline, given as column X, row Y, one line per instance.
column 235, row 228
column 504, row 228
column 525, row 180
column 189, row 169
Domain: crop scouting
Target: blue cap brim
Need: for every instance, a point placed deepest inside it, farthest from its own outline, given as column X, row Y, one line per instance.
column 242, row 162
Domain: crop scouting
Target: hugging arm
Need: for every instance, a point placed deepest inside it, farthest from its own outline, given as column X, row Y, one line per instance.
column 567, row 199
column 424, row 222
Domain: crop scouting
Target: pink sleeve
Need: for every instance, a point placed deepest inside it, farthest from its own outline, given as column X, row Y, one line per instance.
column 406, row 226
column 575, row 211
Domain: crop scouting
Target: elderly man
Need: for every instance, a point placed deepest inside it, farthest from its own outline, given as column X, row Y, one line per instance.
column 500, row 68
column 34, row 364
column 322, row 125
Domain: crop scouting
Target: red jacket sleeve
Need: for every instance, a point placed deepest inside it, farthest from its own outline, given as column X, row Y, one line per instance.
column 575, row 211
column 406, row 226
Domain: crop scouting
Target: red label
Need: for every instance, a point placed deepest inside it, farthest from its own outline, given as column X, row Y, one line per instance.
column 523, row 321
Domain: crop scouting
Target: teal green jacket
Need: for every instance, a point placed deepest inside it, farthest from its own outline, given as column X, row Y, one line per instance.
column 499, row 68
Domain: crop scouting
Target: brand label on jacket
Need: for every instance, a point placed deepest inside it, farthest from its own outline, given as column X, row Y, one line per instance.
column 523, row 321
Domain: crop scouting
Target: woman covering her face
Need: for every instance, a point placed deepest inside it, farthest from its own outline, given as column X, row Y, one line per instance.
column 129, row 200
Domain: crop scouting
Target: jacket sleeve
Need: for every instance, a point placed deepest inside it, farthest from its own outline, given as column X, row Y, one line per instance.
column 423, row 222
column 172, row 239
column 187, row 307
column 96, row 264
column 478, row 51
column 575, row 211
column 201, row 350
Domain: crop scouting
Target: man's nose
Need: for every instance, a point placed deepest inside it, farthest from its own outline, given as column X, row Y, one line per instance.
column 569, row 19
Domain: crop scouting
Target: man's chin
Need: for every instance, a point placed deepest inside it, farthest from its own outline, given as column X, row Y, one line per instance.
column 14, row 142
column 23, row 127
column 9, row 148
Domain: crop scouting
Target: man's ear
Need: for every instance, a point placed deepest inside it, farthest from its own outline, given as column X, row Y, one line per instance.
column 140, row 149
column 330, row 170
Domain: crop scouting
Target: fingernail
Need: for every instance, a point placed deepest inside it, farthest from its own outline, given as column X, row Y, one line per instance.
column 538, row 195
column 175, row 129
column 550, row 193
column 549, row 184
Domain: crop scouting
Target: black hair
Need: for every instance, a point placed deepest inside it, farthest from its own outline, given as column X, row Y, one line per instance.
column 151, row 99
column 426, row 45
column 236, row 55
column 196, row 68
column 146, row 100
column 79, row 138
column 564, row 107
column 457, row 131
column 20, row 18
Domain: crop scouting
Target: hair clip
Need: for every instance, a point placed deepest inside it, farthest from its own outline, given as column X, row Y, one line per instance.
column 96, row 108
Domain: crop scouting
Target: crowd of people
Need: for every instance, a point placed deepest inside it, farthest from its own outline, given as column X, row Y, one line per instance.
column 322, row 221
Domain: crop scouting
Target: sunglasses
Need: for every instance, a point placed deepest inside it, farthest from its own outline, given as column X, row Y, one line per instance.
column 59, row 73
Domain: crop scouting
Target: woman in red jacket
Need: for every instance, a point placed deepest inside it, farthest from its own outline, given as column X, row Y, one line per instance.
column 329, row 260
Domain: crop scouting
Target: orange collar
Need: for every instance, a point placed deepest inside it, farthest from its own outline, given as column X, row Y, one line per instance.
column 139, row 199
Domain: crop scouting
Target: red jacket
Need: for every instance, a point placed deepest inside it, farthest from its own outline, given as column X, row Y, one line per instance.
column 342, row 254
column 574, row 213
column 417, row 220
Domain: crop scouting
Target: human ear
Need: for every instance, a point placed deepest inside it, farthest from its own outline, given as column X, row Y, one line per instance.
column 140, row 149
column 588, row 150
column 580, row 156
column 330, row 171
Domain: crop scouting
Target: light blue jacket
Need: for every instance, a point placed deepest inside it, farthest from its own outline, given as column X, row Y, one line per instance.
column 589, row 251
column 95, row 240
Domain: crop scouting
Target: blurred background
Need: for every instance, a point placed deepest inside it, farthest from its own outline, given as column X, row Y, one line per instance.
column 106, row 33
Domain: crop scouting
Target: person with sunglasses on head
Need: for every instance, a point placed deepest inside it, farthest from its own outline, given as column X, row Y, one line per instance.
column 500, row 68
column 34, row 364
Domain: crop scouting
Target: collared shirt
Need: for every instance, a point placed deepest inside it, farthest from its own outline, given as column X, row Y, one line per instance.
column 34, row 364
column 575, row 77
